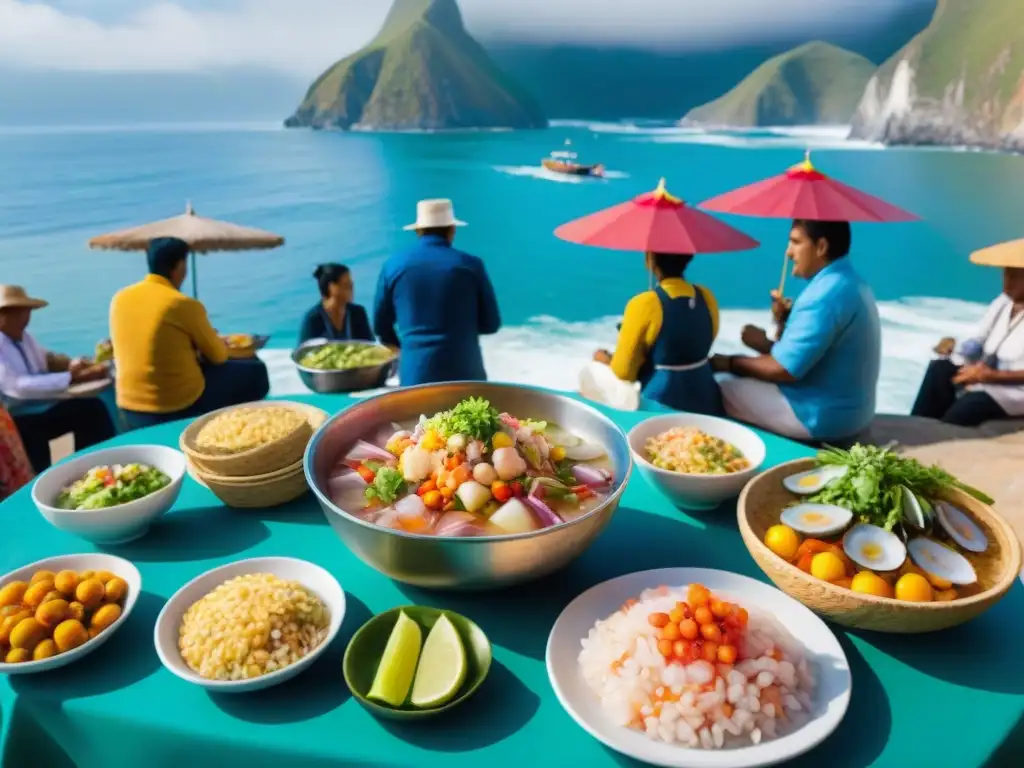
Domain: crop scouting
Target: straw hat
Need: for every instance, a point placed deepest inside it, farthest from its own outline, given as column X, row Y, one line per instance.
column 1009, row 254
column 435, row 214
column 14, row 296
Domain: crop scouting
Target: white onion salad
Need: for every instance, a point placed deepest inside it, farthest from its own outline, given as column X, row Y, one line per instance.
column 471, row 471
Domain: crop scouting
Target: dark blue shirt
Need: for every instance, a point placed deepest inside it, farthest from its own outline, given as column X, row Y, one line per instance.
column 317, row 325
column 434, row 302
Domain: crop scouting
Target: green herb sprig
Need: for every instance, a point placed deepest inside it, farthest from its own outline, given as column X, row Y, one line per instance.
column 387, row 486
column 473, row 417
column 872, row 487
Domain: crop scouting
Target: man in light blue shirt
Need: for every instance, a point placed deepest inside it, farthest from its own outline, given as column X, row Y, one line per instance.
column 818, row 380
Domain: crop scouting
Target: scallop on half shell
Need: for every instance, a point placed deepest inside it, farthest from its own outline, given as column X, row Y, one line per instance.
column 814, row 480
column 816, row 519
column 874, row 548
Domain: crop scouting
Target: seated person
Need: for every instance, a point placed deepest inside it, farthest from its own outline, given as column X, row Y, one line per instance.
column 984, row 381
column 31, row 378
column 335, row 317
column 158, row 334
column 15, row 468
column 665, row 337
column 818, row 380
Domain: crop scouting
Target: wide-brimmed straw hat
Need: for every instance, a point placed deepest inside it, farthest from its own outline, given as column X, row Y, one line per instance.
column 1009, row 254
column 14, row 296
column 435, row 214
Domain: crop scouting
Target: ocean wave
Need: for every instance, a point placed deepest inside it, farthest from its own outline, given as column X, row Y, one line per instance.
column 801, row 136
column 539, row 172
column 547, row 351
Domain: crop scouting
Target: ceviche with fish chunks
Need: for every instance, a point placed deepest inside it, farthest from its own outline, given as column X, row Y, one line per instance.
column 471, row 471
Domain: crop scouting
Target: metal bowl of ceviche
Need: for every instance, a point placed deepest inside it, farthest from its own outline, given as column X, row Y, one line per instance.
column 468, row 485
column 696, row 461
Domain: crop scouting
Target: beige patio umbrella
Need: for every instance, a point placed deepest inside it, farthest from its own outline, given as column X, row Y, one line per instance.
column 202, row 235
column 1009, row 254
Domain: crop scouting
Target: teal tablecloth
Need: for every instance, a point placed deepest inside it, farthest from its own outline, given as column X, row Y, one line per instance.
column 950, row 699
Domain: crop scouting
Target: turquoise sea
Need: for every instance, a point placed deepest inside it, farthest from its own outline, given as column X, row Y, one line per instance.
column 345, row 197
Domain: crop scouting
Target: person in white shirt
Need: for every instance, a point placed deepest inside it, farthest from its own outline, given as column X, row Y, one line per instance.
column 31, row 378
column 984, row 379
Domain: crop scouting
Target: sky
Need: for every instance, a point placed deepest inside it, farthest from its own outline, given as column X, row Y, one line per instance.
column 302, row 37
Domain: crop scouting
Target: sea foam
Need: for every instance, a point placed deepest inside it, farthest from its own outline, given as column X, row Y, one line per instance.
column 549, row 352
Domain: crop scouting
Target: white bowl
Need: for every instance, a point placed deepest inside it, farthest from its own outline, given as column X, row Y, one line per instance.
column 697, row 491
column 830, row 698
column 114, row 525
column 92, row 562
column 312, row 577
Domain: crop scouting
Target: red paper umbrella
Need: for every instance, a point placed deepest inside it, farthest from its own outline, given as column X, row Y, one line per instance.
column 656, row 222
column 803, row 192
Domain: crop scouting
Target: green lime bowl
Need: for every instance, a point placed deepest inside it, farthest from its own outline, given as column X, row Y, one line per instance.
column 366, row 648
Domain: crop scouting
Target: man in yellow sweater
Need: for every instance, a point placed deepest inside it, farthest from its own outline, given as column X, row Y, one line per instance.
column 170, row 362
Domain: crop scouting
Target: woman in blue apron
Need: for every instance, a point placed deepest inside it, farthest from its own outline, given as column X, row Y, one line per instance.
column 335, row 317
column 665, row 339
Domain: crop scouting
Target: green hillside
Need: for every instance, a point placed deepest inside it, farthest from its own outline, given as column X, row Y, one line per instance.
column 967, row 68
column 422, row 71
column 814, row 84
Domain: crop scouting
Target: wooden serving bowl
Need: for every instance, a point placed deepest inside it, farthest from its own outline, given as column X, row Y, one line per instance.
column 263, row 459
column 765, row 497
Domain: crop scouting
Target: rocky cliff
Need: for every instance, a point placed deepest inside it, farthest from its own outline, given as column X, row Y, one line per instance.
column 959, row 82
column 423, row 71
column 813, row 84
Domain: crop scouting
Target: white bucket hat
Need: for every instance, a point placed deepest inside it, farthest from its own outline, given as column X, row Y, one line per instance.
column 435, row 214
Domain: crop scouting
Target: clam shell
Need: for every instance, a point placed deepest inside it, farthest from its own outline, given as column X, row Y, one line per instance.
column 960, row 527
column 941, row 561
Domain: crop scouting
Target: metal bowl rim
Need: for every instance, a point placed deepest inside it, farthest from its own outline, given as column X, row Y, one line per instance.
column 317, row 343
column 600, row 508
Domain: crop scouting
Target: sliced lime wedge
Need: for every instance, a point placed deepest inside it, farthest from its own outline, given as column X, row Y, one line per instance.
column 442, row 668
column 398, row 664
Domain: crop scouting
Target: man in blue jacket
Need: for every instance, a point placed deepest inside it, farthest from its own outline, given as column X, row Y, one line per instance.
column 434, row 302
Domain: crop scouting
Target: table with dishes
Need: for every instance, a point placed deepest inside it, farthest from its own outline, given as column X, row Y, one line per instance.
column 509, row 579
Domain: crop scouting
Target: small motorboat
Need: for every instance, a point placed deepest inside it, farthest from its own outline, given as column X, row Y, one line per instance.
column 565, row 162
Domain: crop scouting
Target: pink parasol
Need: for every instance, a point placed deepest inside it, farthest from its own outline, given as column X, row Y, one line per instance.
column 804, row 192
column 658, row 222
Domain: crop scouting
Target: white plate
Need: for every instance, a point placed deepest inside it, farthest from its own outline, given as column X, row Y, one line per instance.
column 88, row 388
column 94, row 562
column 831, row 669
column 312, row 577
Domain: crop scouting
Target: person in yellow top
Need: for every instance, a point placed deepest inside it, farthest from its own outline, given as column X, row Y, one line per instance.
column 666, row 337
column 170, row 362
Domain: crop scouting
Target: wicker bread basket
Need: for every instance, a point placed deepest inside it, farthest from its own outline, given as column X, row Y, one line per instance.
column 261, row 460
column 763, row 500
column 259, row 492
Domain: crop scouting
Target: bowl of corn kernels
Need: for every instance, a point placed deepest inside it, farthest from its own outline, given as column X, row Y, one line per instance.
column 249, row 625
column 250, row 440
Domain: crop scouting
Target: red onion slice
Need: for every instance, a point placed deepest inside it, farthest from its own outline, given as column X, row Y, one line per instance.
column 363, row 450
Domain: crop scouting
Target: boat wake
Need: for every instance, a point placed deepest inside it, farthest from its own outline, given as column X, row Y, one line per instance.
column 549, row 352
column 538, row 172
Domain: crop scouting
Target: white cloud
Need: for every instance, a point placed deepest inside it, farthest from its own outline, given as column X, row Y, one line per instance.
column 304, row 36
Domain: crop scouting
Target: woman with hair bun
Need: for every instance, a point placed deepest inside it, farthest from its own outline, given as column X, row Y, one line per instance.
column 335, row 317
